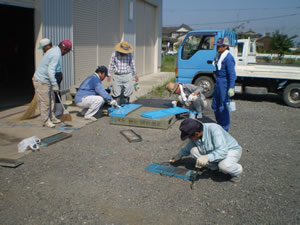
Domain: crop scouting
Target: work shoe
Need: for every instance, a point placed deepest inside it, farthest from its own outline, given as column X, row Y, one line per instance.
column 49, row 124
column 105, row 112
column 93, row 119
column 55, row 120
column 236, row 179
column 79, row 114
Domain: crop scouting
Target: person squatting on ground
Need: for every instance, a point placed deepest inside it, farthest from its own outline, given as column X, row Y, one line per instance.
column 123, row 66
column 45, row 44
column 190, row 96
column 45, row 83
column 91, row 94
column 212, row 147
column 225, row 81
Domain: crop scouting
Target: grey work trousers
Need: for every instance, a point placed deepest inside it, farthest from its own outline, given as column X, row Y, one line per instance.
column 122, row 84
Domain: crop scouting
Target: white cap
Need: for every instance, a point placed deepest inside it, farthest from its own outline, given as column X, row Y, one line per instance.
column 44, row 42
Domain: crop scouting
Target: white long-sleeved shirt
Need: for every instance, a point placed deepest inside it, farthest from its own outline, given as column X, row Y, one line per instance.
column 49, row 65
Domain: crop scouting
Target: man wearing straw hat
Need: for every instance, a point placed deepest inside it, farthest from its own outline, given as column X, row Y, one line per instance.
column 123, row 66
column 190, row 96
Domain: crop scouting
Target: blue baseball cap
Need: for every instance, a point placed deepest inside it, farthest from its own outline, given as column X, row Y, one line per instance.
column 102, row 69
column 189, row 127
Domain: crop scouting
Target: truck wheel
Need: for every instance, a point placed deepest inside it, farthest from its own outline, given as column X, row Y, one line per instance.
column 291, row 95
column 207, row 84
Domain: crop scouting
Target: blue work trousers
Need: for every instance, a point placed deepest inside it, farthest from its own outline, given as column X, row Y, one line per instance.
column 220, row 98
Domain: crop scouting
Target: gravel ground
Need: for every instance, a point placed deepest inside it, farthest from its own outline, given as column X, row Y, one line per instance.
column 98, row 177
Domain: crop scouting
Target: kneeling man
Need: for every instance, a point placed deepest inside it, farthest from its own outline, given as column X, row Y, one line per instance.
column 212, row 147
column 91, row 94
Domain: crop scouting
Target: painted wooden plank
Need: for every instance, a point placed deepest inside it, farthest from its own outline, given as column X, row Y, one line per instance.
column 124, row 110
column 164, row 112
column 13, row 163
column 55, row 138
column 170, row 171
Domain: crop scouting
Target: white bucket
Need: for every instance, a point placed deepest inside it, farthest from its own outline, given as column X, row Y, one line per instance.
column 231, row 106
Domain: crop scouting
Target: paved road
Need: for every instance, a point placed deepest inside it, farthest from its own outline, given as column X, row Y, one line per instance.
column 98, row 177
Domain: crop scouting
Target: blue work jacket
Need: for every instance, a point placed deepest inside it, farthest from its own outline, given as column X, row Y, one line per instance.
column 92, row 86
column 227, row 71
column 215, row 143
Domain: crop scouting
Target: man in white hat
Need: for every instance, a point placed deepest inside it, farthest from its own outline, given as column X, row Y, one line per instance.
column 45, row 83
column 45, row 44
column 123, row 66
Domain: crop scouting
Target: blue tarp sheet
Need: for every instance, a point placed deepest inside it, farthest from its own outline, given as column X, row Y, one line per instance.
column 164, row 112
column 123, row 111
column 170, row 171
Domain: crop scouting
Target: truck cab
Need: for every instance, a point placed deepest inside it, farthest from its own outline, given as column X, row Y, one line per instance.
column 196, row 54
column 198, row 50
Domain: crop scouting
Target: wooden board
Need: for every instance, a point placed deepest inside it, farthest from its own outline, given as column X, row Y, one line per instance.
column 134, row 119
column 12, row 163
column 55, row 138
column 171, row 171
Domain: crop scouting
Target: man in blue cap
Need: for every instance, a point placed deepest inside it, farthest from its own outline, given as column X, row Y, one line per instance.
column 212, row 147
column 91, row 94
column 225, row 81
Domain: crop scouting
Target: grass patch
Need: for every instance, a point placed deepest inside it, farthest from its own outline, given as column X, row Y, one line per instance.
column 168, row 63
column 160, row 91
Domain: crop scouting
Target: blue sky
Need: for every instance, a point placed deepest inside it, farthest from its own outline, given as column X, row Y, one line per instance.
column 262, row 16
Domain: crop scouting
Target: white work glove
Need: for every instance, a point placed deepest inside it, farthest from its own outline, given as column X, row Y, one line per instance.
column 174, row 103
column 187, row 103
column 175, row 158
column 55, row 88
column 202, row 161
column 230, row 92
column 114, row 103
column 192, row 97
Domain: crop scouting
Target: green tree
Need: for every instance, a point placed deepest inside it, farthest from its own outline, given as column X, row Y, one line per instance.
column 280, row 43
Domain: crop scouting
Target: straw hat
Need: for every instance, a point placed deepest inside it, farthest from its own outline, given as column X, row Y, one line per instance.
column 171, row 87
column 124, row 47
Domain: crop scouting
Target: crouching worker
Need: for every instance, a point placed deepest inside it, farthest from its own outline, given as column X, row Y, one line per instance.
column 212, row 147
column 190, row 96
column 91, row 94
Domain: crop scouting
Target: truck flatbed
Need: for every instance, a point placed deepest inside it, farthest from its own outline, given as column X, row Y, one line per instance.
column 268, row 71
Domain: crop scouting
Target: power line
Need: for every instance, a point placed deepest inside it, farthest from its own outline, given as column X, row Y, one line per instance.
column 218, row 10
column 248, row 20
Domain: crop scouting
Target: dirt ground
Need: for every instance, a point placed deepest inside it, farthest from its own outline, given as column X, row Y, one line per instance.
column 98, row 177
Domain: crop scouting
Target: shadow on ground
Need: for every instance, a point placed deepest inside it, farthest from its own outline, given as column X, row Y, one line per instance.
column 260, row 98
column 189, row 163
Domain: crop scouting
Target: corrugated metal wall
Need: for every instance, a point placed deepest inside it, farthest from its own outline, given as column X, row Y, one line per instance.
column 57, row 26
column 109, row 29
column 96, row 31
column 146, row 36
column 21, row 3
column 85, row 38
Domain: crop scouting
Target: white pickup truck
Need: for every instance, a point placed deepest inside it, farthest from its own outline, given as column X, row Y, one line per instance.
column 256, row 78
column 194, row 65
